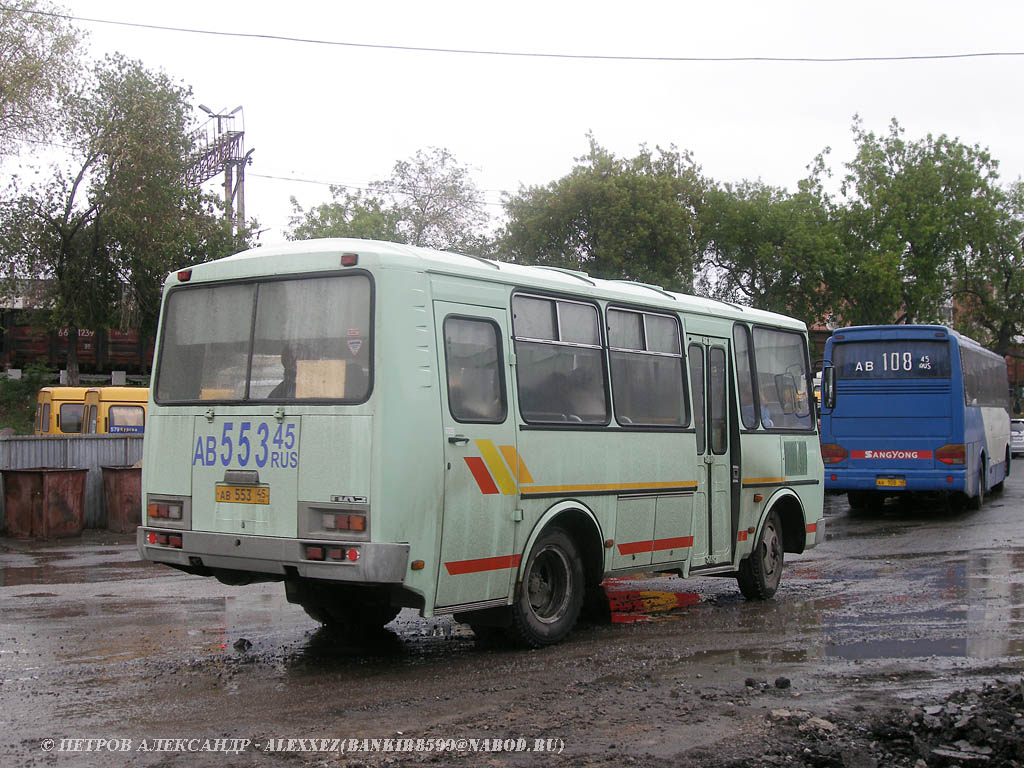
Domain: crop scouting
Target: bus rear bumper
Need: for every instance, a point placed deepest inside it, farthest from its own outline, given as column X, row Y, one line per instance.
column 362, row 562
column 914, row 481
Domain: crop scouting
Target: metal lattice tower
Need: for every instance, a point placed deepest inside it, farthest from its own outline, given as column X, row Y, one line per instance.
column 220, row 148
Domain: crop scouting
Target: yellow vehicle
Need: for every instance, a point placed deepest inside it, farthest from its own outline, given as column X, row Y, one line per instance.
column 115, row 410
column 59, row 410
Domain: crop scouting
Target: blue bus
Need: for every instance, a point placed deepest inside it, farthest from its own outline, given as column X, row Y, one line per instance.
column 913, row 408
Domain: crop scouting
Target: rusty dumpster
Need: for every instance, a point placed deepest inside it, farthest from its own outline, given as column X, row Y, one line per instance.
column 122, row 497
column 44, row 502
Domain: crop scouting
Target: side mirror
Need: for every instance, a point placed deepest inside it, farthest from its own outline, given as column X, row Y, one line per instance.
column 828, row 387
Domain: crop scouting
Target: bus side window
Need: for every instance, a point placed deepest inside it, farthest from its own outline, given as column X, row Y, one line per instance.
column 476, row 391
column 45, row 423
column 782, row 378
column 745, row 375
column 695, row 357
column 560, row 361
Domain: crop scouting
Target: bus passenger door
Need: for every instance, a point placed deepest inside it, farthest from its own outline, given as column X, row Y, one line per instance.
column 712, row 507
column 478, row 562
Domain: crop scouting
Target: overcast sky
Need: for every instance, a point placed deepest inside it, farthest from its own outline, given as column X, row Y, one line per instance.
column 344, row 114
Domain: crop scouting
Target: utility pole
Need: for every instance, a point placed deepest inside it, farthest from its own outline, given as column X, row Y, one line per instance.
column 220, row 148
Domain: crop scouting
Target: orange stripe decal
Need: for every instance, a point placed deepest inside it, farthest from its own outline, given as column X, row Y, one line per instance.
column 610, row 487
column 494, row 462
column 462, row 567
column 516, row 464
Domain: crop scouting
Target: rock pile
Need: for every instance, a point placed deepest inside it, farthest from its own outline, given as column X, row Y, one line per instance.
column 970, row 728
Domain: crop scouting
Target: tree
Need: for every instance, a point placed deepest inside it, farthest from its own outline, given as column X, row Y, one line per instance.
column 989, row 286
column 768, row 248
column 429, row 200
column 39, row 62
column 911, row 211
column 439, row 205
column 612, row 217
column 94, row 242
column 350, row 214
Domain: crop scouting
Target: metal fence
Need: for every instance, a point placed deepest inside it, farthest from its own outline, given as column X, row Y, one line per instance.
column 90, row 452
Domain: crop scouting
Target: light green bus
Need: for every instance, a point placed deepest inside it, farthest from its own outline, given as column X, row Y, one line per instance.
column 380, row 426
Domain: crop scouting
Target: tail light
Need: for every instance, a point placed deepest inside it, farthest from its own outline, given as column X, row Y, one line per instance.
column 328, row 553
column 832, row 453
column 952, row 453
column 344, row 522
column 164, row 539
column 164, row 511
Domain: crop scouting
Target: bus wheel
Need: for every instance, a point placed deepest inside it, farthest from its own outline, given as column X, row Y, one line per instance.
column 858, row 499
column 337, row 609
column 975, row 502
column 998, row 487
column 760, row 573
column 551, row 592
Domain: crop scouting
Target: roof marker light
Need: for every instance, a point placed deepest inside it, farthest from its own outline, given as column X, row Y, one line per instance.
column 184, row 275
column 349, row 259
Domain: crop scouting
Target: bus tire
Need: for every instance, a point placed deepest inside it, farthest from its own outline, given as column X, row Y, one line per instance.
column 550, row 594
column 976, row 502
column 760, row 573
column 858, row 500
column 998, row 487
column 338, row 610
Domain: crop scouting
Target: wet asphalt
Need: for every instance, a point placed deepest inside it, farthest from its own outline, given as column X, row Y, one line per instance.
column 94, row 644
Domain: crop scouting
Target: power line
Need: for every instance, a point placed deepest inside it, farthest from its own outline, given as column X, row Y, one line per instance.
column 345, row 185
column 528, row 54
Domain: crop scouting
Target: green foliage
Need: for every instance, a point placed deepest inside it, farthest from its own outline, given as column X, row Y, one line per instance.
column 438, row 204
column 767, row 248
column 39, row 62
column 350, row 214
column 989, row 282
column 18, row 399
column 912, row 211
column 429, row 200
column 617, row 218
column 106, row 227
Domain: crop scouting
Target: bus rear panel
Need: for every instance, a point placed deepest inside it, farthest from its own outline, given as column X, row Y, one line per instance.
column 915, row 409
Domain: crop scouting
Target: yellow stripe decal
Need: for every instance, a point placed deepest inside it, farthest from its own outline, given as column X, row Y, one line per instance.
column 763, row 480
column 611, row 487
column 515, row 463
column 490, row 454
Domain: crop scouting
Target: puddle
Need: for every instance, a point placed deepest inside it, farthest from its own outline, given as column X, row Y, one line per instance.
column 974, row 648
column 96, row 572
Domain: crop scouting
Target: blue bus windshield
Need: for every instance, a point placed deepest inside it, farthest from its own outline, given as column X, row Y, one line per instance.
column 901, row 359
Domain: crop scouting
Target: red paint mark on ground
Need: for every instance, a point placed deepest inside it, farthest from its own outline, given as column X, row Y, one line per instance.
column 632, row 606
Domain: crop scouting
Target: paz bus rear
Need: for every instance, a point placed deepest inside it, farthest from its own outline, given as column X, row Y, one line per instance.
column 259, row 450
